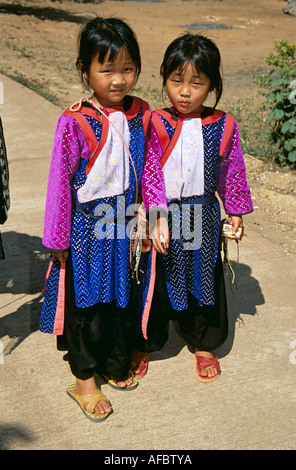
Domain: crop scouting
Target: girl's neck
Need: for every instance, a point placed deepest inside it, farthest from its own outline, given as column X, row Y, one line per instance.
column 96, row 102
column 205, row 112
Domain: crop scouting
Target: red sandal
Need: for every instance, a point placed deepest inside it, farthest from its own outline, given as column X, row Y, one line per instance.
column 204, row 362
column 139, row 361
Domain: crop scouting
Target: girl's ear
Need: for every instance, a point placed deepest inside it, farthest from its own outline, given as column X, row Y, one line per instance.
column 80, row 68
column 81, row 71
column 83, row 74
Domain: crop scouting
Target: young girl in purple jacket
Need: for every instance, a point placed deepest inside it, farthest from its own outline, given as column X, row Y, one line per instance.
column 99, row 152
column 199, row 150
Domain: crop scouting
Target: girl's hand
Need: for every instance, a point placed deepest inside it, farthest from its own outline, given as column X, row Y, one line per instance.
column 146, row 245
column 160, row 236
column 236, row 221
column 60, row 255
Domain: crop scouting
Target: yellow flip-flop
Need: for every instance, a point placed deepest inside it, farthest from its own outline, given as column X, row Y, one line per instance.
column 91, row 401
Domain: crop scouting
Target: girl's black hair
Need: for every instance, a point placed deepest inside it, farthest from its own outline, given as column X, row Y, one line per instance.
column 199, row 51
column 105, row 37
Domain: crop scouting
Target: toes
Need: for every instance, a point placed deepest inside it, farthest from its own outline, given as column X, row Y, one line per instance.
column 102, row 407
column 129, row 381
column 204, row 372
column 125, row 383
column 209, row 372
column 120, row 384
column 135, row 368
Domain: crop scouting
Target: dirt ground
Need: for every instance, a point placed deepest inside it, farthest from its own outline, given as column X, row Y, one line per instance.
column 38, row 46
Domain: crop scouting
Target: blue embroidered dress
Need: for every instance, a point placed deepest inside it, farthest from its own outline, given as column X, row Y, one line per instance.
column 195, row 168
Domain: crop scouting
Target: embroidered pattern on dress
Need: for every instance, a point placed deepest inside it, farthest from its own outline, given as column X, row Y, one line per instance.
column 109, row 176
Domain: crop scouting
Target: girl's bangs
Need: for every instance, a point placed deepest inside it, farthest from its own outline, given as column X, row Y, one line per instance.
column 107, row 51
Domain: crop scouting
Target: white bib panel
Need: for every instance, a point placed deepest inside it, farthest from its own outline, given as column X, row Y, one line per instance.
column 109, row 175
column 184, row 169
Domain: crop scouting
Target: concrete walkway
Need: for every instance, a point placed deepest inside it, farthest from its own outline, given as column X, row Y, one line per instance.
column 251, row 407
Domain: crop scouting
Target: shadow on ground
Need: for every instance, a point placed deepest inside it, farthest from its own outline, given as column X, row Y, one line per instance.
column 43, row 13
column 243, row 297
column 22, row 274
column 9, row 433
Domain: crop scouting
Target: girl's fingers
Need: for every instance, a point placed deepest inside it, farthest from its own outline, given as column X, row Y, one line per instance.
column 61, row 256
column 236, row 223
column 159, row 245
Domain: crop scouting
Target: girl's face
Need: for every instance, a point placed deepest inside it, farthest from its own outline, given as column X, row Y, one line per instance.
column 112, row 81
column 188, row 89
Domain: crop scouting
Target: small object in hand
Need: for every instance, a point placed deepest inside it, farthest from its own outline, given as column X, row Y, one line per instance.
column 162, row 241
column 227, row 228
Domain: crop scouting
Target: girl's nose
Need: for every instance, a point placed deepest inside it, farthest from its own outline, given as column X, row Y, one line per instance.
column 185, row 90
column 117, row 79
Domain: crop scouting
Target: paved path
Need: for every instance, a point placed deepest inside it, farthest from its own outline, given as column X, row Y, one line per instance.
column 251, row 406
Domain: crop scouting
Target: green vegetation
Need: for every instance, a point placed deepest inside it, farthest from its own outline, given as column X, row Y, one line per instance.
column 280, row 92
